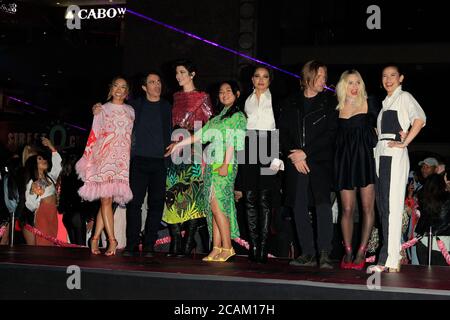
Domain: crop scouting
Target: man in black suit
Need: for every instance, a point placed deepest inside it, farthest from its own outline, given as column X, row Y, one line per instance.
column 307, row 128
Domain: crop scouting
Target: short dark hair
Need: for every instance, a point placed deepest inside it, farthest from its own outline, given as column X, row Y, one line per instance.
column 236, row 107
column 188, row 64
column 394, row 65
column 149, row 72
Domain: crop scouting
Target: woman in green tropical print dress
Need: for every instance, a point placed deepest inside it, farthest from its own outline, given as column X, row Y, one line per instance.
column 226, row 133
column 184, row 185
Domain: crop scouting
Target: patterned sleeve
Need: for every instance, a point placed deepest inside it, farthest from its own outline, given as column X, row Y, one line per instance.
column 132, row 113
column 81, row 165
column 206, row 109
column 204, row 138
column 415, row 111
column 236, row 130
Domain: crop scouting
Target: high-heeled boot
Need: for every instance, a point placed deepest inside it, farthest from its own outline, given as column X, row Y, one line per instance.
column 264, row 223
column 175, row 243
column 191, row 230
column 204, row 235
column 251, row 210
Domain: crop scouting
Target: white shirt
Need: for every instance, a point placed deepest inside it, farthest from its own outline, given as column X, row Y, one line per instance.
column 33, row 200
column 408, row 109
column 260, row 113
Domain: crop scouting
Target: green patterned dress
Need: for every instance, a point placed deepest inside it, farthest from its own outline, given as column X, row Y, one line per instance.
column 232, row 131
column 184, row 184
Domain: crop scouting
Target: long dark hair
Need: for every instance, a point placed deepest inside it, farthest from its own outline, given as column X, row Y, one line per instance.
column 433, row 194
column 265, row 67
column 236, row 107
column 31, row 168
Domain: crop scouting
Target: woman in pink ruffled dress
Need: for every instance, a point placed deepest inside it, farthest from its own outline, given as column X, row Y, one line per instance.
column 104, row 167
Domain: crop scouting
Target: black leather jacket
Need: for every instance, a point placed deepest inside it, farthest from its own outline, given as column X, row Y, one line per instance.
column 312, row 131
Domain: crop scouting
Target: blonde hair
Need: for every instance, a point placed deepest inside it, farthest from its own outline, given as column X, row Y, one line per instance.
column 112, row 84
column 341, row 89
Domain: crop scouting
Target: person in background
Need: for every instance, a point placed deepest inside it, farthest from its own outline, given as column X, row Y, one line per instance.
column 40, row 192
column 434, row 204
column 70, row 203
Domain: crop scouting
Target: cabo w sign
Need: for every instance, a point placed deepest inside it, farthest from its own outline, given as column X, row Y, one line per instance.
column 74, row 15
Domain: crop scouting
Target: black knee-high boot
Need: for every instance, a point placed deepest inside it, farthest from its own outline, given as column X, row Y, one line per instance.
column 204, row 234
column 265, row 205
column 191, row 230
column 175, row 243
column 251, row 209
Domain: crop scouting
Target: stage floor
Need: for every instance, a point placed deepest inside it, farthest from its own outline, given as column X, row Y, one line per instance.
column 42, row 273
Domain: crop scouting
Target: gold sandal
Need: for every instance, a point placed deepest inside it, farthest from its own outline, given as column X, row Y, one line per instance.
column 210, row 258
column 231, row 254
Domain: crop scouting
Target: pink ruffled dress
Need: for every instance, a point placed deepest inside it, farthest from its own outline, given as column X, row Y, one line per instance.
column 105, row 165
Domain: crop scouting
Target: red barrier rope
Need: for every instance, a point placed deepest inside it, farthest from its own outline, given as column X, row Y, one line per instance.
column 444, row 251
column 57, row 242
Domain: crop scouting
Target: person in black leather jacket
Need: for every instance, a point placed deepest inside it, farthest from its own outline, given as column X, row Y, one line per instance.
column 308, row 127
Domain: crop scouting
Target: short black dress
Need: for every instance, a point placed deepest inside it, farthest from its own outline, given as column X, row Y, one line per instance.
column 354, row 161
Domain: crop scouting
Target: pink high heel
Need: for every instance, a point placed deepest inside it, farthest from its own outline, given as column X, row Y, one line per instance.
column 361, row 265
column 112, row 251
column 94, row 246
column 347, row 265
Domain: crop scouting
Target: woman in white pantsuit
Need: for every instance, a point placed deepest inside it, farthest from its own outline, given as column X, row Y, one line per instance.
column 400, row 113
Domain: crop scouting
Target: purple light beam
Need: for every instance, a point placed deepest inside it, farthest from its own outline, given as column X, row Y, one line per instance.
column 211, row 43
column 191, row 35
column 45, row 110
column 75, row 126
column 26, row 103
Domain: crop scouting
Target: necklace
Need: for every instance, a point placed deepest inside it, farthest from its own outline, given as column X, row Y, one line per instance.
column 350, row 101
